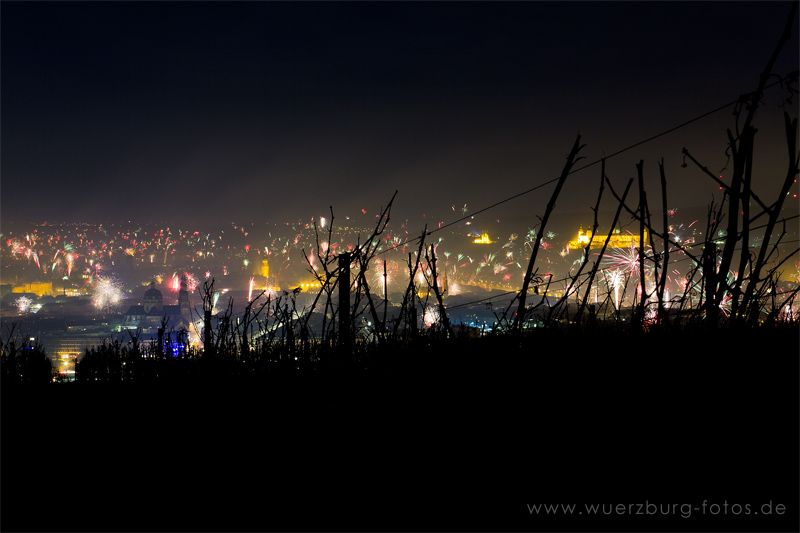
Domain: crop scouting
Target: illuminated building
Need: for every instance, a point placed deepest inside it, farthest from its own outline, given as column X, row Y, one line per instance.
column 617, row 240
column 150, row 314
column 269, row 284
column 483, row 239
column 39, row 288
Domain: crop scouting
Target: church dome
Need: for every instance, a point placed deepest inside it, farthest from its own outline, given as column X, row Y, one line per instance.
column 152, row 294
column 152, row 299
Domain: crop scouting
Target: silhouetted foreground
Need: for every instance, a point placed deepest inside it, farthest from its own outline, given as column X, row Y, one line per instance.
column 459, row 435
column 361, row 423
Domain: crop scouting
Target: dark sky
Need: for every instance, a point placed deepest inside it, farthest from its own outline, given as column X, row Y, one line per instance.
column 262, row 111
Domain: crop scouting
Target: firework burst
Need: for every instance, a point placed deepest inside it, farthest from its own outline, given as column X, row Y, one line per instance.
column 23, row 304
column 191, row 282
column 430, row 315
column 627, row 259
column 107, row 293
column 616, row 279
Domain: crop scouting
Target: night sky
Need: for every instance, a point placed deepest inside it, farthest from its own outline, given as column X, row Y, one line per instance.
column 270, row 112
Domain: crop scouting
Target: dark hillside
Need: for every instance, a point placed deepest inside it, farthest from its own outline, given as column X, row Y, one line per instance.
column 458, row 437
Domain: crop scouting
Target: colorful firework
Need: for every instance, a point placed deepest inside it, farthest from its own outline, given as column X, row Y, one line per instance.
column 107, row 293
column 615, row 279
column 430, row 316
column 23, row 304
column 626, row 259
column 191, row 282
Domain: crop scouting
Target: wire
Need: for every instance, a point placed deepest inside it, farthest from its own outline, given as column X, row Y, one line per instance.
column 618, row 152
column 539, row 186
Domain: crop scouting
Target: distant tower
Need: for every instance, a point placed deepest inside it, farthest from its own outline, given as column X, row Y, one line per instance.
column 183, row 300
column 265, row 272
column 483, row 239
column 153, row 302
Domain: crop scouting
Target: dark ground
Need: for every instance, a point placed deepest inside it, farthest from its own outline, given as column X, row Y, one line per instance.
column 425, row 448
